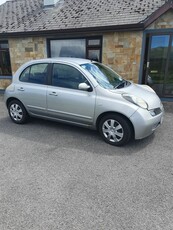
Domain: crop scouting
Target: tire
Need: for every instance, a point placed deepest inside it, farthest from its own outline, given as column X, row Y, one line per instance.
column 115, row 130
column 17, row 112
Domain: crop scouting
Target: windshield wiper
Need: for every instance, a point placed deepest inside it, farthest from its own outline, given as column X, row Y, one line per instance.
column 121, row 84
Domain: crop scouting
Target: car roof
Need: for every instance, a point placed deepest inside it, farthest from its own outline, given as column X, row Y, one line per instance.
column 78, row 61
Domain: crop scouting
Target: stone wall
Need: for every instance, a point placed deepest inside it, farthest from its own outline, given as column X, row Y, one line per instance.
column 163, row 22
column 4, row 83
column 122, row 52
column 26, row 49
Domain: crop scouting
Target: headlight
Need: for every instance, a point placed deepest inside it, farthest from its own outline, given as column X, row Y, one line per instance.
column 135, row 100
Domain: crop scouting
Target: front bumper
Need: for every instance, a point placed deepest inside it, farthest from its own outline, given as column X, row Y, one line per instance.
column 144, row 123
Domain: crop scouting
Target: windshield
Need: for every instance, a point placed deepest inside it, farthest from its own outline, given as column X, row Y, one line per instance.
column 106, row 77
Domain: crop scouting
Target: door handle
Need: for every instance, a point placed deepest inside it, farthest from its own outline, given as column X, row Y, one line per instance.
column 53, row 94
column 21, row 89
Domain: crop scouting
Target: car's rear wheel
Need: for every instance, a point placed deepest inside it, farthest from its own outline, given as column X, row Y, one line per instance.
column 115, row 129
column 17, row 112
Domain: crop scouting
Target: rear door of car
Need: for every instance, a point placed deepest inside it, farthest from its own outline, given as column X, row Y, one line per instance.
column 64, row 99
column 32, row 87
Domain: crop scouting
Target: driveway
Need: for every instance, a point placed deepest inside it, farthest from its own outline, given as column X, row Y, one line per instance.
column 54, row 176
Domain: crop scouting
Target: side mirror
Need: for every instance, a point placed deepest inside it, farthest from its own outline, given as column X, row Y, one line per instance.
column 84, row 86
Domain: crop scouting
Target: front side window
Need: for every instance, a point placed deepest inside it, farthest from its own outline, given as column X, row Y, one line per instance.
column 106, row 77
column 67, row 76
column 35, row 74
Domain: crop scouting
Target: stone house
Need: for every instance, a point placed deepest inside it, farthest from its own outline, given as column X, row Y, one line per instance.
column 135, row 38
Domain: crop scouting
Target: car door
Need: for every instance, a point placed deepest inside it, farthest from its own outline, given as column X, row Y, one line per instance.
column 64, row 99
column 32, row 87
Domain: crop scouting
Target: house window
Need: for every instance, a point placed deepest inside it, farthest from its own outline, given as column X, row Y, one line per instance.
column 94, row 49
column 89, row 48
column 68, row 48
column 5, row 65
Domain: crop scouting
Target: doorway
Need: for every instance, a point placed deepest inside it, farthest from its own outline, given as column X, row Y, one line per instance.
column 158, row 64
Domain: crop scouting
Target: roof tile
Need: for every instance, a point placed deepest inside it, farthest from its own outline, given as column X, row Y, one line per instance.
column 24, row 15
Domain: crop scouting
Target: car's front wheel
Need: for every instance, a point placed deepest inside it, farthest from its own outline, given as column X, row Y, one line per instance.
column 17, row 112
column 115, row 129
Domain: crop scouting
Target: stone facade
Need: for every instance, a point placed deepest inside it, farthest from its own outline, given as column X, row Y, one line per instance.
column 122, row 52
column 4, row 83
column 163, row 22
column 26, row 49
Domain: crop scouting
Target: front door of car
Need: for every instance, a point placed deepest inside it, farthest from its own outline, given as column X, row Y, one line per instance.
column 64, row 99
column 32, row 88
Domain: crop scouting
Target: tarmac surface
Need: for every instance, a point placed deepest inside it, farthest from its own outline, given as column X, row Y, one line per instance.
column 55, row 176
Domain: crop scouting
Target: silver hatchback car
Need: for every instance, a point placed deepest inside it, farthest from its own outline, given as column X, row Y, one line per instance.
column 84, row 93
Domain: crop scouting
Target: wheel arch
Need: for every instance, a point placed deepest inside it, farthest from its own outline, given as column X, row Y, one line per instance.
column 114, row 113
column 12, row 99
column 17, row 113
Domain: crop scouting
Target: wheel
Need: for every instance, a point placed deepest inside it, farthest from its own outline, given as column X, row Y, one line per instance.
column 115, row 130
column 17, row 112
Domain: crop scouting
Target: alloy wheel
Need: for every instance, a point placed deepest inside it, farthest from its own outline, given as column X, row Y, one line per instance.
column 113, row 130
column 16, row 112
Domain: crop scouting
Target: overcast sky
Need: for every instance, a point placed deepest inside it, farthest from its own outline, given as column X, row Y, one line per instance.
column 2, row 1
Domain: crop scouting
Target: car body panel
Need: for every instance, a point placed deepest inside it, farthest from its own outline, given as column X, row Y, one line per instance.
column 145, row 123
column 112, row 102
column 33, row 96
column 146, row 93
column 71, row 105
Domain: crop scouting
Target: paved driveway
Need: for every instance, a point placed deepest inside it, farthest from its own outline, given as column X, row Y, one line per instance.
column 54, row 176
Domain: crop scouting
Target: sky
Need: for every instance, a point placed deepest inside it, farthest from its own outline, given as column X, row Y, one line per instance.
column 2, row 1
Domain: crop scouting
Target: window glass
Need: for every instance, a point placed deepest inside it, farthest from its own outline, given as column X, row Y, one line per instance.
column 5, row 64
column 94, row 42
column 168, row 83
column 79, row 48
column 68, row 48
column 35, row 74
column 24, row 77
column 106, row 77
column 67, row 76
column 4, row 45
column 94, row 54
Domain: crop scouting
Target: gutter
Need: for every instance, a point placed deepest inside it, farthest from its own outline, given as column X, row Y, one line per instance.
column 74, row 31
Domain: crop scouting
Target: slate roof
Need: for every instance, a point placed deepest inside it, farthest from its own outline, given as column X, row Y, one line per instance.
column 30, row 15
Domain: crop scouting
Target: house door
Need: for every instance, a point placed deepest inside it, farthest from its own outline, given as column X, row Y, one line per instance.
column 158, row 62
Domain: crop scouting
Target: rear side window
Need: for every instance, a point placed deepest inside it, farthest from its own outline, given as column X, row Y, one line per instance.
column 35, row 74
